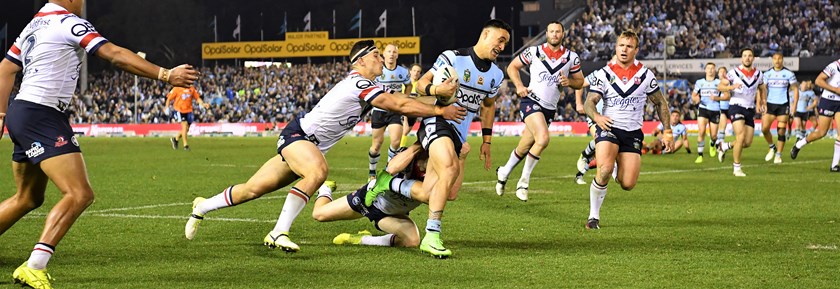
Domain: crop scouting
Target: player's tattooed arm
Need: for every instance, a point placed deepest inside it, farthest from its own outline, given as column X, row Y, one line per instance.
column 661, row 104
column 589, row 107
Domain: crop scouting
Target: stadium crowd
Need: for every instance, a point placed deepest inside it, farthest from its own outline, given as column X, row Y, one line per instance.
column 703, row 29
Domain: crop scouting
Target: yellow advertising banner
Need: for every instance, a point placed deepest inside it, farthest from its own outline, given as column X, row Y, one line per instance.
column 301, row 44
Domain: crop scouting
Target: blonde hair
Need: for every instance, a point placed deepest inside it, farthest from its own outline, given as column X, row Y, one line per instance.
column 630, row 34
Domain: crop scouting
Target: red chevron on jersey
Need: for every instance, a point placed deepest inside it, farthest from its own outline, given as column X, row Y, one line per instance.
column 625, row 75
column 553, row 55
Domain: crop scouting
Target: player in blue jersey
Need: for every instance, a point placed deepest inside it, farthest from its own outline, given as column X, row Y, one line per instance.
column 780, row 82
column 805, row 108
column 680, row 133
column 707, row 96
column 394, row 78
column 479, row 80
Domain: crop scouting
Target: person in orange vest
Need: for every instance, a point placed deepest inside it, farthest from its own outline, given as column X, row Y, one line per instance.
column 182, row 99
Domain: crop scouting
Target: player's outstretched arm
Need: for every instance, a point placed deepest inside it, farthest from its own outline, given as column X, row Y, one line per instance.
column 408, row 106
column 661, row 104
column 183, row 75
column 403, row 159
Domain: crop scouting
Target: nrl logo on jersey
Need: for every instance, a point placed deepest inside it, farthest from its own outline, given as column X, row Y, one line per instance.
column 467, row 75
column 637, row 80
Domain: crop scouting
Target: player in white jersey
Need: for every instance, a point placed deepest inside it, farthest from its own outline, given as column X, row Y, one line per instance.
column 303, row 143
column 748, row 95
column 49, row 51
column 551, row 67
column 389, row 210
column 805, row 108
column 707, row 96
column 780, row 82
column 625, row 85
column 479, row 81
column 393, row 78
column 828, row 109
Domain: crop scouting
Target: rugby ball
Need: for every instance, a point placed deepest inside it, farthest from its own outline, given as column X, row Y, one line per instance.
column 442, row 74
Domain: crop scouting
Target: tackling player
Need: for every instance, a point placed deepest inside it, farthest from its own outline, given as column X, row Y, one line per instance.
column 49, row 51
column 303, row 143
column 625, row 85
column 551, row 67
column 780, row 81
column 748, row 97
column 828, row 108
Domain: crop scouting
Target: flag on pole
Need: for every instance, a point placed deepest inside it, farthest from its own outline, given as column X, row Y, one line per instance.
column 383, row 23
column 306, row 20
column 213, row 26
column 493, row 13
column 238, row 28
column 356, row 21
column 285, row 26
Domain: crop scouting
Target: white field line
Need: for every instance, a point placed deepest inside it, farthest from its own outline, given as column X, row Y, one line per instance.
column 663, row 172
column 821, row 247
column 256, row 166
column 104, row 212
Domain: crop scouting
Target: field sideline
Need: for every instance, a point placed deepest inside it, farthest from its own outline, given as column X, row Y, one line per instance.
column 685, row 225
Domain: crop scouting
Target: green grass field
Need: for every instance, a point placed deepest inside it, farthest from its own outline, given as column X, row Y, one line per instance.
column 684, row 226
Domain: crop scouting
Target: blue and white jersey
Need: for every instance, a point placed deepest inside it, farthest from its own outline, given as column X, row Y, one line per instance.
column 750, row 80
column 778, row 84
column 806, row 98
column 546, row 67
column 707, row 89
column 393, row 80
column 833, row 73
column 50, row 49
column 678, row 130
column 480, row 79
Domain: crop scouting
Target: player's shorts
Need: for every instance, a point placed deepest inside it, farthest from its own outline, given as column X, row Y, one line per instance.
column 433, row 128
column 356, row 200
column 828, row 107
column 712, row 115
column 737, row 112
column 528, row 106
column 292, row 133
column 380, row 119
column 39, row 132
column 778, row 109
column 627, row 141
column 411, row 120
column 724, row 112
column 184, row 116
column 804, row 115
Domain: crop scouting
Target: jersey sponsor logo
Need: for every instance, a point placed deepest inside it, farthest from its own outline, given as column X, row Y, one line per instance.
column 608, row 134
column 364, row 84
column 653, row 84
column 280, row 141
column 623, row 103
column 82, row 29
column 60, row 141
column 350, row 122
column 36, row 149
column 545, row 77
column 470, row 101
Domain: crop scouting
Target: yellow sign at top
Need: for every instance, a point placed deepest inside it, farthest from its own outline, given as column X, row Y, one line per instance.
column 301, row 44
column 307, row 36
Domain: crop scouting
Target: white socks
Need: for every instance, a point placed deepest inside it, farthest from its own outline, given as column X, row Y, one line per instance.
column 530, row 162
column 295, row 201
column 386, row 240
column 40, row 256
column 597, row 193
column 221, row 200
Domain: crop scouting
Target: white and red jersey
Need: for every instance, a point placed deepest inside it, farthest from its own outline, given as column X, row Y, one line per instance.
column 339, row 111
column 546, row 67
column 833, row 73
column 624, row 92
column 750, row 80
column 51, row 49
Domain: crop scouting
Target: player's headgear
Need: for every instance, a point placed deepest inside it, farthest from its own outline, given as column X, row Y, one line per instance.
column 360, row 49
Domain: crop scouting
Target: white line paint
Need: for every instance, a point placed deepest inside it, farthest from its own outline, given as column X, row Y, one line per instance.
column 184, row 218
column 821, row 247
column 160, row 206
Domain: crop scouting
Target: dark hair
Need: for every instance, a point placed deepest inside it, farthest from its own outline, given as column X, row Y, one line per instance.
column 558, row 23
column 496, row 23
column 746, row 49
column 359, row 46
column 779, row 53
column 710, row 63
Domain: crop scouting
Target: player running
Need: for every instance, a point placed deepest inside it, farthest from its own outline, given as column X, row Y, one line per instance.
column 625, row 85
column 303, row 143
column 748, row 96
column 828, row 108
column 49, row 51
column 805, row 108
column 724, row 108
column 708, row 96
column 393, row 78
column 182, row 100
column 780, row 81
column 551, row 67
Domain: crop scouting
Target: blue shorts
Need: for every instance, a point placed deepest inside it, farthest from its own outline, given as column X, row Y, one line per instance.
column 528, row 106
column 184, row 117
column 39, row 132
column 828, row 107
column 290, row 134
column 356, row 200
column 737, row 112
column 627, row 141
